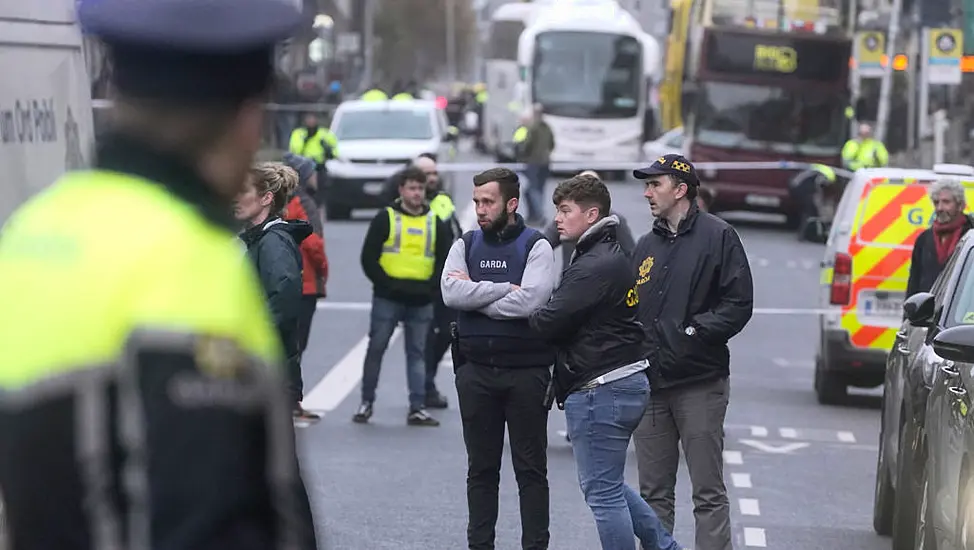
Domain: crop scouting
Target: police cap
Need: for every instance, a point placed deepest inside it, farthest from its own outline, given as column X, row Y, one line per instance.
column 670, row 165
column 191, row 50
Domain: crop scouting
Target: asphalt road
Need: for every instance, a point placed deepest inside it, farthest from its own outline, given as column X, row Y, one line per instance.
column 800, row 474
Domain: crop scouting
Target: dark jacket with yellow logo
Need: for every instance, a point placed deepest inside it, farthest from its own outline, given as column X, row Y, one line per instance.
column 700, row 278
column 591, row 316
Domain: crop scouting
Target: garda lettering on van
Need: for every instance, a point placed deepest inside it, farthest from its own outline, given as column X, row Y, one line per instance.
column 28, row 120
column 920, row 217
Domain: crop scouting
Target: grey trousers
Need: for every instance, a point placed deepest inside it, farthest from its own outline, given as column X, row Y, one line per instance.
column 694, row 417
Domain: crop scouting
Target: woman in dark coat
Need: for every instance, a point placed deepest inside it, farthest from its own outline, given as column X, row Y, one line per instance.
column 273, row 246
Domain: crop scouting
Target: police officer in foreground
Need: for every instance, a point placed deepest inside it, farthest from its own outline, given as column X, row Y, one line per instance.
column 497, row 276
column 166, row 367
column 695, row 293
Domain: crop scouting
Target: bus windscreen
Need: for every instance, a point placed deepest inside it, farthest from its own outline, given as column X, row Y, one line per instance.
column 781, row 57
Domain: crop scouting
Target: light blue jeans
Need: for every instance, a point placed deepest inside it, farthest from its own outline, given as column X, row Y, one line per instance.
column 600, row 423
column 386, row 316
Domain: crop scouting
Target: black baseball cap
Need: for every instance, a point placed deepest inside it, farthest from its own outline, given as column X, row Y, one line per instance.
column 670, row 165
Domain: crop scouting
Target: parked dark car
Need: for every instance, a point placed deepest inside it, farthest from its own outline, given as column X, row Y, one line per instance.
column 910, row 373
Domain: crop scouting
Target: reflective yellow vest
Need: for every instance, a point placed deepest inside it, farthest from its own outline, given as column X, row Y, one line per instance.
column 66, row 271
column 869, row 153
column 313, row 148
column 374, row 94
column 442, row 206
column 403, row 96
column 410, row 250
column 520, row 134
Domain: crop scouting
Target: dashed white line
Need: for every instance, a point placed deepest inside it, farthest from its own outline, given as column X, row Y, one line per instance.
column 847, row 437
column 788, row 433
column 749, row 507
column 741, row 481
column 754, row 536
column 759, row 431
column 733, row 457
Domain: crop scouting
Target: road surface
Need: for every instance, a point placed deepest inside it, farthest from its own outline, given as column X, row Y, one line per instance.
column 800, row 475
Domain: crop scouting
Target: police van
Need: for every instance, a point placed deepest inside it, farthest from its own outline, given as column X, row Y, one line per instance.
column 865, row 272
column 45, row 98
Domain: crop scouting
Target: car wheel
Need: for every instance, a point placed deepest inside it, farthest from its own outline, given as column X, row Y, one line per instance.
column 925, row 536
column 907, row 492
column 337, row 211
column 829, row 387
column 883, row 494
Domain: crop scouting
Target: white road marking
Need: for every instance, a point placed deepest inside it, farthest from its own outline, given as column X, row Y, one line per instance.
column 847, row 437
column 759, row 431
column 783, row 363
column 787, row 448
column 754, row 536
column 749, row 506
column 342, row 379
column 741, row 481
column 788, row 433
column 733, row 457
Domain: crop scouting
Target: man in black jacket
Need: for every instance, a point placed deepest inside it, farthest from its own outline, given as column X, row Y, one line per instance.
column 695, row 292
column 600, row 376
column 403, row 254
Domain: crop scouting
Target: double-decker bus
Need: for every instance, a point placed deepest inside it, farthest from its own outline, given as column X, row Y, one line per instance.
column 587, row 63
column 759, row 86
column 503, row 106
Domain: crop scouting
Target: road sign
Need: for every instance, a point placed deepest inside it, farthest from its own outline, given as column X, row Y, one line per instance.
column 870, row 48
column 944, row 50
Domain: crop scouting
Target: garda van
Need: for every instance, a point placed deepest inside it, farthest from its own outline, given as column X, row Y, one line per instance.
column 865, row 271
column 45, row 98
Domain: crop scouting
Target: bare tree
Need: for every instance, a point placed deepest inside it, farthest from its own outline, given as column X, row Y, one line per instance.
column 413, row 38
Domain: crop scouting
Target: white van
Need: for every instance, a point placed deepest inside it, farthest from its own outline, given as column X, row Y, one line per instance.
column 46, row 123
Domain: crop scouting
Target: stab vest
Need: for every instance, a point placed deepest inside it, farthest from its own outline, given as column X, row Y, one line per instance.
column 494, row 342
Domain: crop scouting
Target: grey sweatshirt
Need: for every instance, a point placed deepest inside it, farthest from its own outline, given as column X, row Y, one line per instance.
column 500, row 300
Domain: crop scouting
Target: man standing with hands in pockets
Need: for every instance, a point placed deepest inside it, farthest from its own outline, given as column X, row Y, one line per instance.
column 496, row 277
column 695, row 293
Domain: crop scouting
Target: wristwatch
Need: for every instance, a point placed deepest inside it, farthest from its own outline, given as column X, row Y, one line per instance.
column 690, row 331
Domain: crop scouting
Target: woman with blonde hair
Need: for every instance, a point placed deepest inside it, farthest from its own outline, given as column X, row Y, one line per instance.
column 273, row 246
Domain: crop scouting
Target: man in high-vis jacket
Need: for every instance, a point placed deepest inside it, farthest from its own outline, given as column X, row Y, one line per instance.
column 865, row 151
column 314, row 142
column 403, row 253
column 438, row 339
column 156, row 416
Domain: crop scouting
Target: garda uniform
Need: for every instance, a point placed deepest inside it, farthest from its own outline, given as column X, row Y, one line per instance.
column 864, row 153
column 136, row 339
column 374, row 94
column 402, row 255
column 438, row 339
column 321, row 146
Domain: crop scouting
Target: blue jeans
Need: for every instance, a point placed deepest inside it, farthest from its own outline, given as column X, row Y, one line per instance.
column 600, row 423
column 386, row 316
column 537, row 175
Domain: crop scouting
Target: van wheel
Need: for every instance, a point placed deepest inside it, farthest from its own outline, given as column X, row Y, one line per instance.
column 829, row 387
column 337, row 212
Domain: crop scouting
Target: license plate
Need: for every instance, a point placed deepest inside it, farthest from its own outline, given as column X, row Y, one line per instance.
column 373, row 188
column 763, row 200
column 886, row 305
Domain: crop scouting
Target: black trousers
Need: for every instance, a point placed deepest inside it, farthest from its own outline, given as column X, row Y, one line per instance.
column 491, row 397
column 437, row 341
column 309, row 304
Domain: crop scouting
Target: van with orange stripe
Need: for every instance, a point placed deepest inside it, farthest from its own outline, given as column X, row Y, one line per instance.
column 865, row 271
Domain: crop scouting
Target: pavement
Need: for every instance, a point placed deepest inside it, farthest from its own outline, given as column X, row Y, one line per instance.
column 800, row 475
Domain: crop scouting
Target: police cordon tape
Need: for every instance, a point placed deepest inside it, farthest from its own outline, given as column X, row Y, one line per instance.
column 610, row 166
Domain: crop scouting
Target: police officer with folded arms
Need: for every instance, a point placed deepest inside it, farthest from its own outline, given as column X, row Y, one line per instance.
column 496, row 276
column 600, row 376
column 695, row 293
column 158, row 417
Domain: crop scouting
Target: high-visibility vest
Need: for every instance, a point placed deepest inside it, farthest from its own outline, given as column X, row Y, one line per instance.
column 84, row 303
column 374, row 94
column 313, row 148
column 869, row 153
column 403, row 96
column 410, row 250
column 442, row 205
column 521, row 134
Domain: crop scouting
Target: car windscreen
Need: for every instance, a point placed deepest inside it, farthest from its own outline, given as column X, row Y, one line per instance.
column 384, row 124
